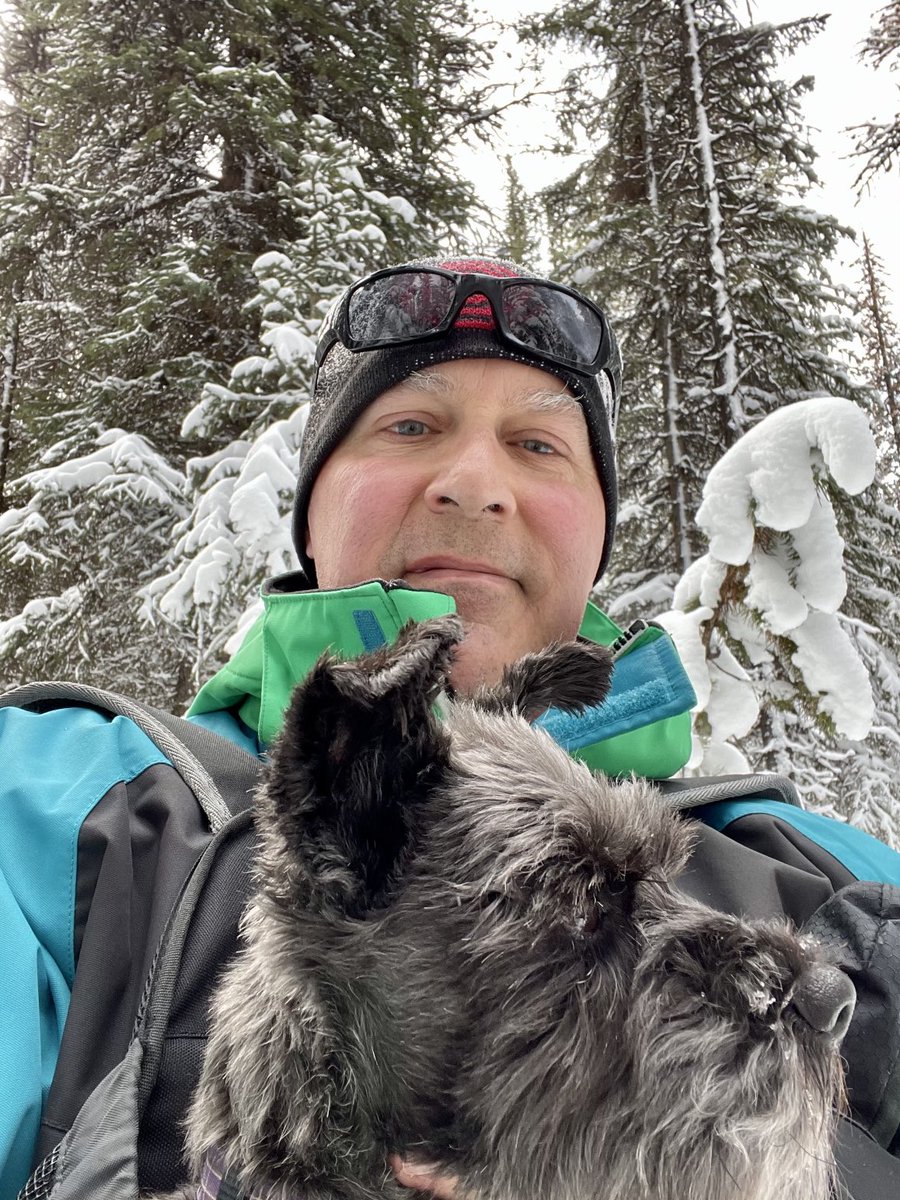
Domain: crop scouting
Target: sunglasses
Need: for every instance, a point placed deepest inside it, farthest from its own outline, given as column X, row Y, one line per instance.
column 403, row 305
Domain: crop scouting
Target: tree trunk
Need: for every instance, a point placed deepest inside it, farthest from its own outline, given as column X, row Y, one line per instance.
column 9, row 354
column 885, row 365
column 733, row 420
column 669, row 375
column 10, row 351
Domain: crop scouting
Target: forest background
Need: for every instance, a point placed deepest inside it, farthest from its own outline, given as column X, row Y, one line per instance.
column 185, row 185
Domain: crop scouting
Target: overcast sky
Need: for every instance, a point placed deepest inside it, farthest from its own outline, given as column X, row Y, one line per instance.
column 846, row 93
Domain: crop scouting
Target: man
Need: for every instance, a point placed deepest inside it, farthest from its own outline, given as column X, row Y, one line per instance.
column 459, row 453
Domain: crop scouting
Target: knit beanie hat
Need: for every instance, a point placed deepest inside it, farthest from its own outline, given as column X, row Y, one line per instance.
column 348, row 381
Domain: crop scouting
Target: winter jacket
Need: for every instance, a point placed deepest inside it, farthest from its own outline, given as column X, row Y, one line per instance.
column 98, row 838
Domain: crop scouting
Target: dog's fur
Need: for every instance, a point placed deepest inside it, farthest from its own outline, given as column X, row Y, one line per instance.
column 465, row 949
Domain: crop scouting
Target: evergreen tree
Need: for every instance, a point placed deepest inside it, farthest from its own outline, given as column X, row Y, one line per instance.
column 148, row 149
column 521, row 233
column 881, row 361
column 25, row 319
column 237, row 529
column 684, row 222
column 75, row 614
column 878, row 143
column 790, row 625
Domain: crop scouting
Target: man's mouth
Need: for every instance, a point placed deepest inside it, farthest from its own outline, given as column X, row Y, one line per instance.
column 441, row 566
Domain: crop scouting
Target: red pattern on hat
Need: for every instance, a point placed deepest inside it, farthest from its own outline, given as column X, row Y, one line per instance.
column 477, row 313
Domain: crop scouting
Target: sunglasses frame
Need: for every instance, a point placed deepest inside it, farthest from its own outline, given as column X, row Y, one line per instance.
column 468, row 283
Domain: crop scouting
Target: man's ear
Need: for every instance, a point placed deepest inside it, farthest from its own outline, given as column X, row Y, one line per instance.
column 566, row 675
column 359, row 755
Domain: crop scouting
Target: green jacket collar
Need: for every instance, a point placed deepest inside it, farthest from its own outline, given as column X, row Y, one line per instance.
column 643, row 727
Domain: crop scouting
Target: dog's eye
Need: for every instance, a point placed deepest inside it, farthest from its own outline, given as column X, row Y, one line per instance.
column 589, row 918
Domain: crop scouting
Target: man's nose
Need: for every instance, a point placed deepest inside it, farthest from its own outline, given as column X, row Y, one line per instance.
column 472, row 480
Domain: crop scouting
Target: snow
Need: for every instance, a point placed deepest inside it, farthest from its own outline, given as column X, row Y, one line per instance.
column 272, row 260
column 403, row 208
column 776, row 553
column 120, row 460
column 733, row 706
column 372, row 233
column 35, row 613
column 265, row 467
column 723, row 315
column 820, row 576
column 770, row 476
column 724, row 691
column 833, row 671
column 684, row 628
column 22, row 521
column 255, row 364
column 772, row 594
column 289, row 344
column 701, row 583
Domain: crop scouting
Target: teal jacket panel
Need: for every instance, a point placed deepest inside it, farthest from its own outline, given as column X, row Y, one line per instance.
column 56, row 767
column 863, row 856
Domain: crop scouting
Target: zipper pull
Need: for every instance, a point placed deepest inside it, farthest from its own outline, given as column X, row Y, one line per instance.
column 624, row 640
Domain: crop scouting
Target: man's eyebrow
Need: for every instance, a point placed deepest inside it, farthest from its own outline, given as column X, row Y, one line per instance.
column 541, row 400
column 547, row 401
column 428, row 381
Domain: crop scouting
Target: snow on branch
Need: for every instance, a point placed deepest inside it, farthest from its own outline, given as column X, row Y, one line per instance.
column 772, row 475
column 122, row 463
column 764, row 603
column 35, row 617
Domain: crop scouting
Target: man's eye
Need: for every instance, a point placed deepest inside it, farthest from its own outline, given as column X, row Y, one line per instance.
column 409, row 427
column 538, row 447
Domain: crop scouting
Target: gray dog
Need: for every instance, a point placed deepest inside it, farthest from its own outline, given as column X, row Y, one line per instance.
column 466, row 949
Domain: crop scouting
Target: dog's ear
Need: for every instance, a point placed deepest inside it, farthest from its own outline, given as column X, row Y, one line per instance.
column 567, row 675
column 359, row 754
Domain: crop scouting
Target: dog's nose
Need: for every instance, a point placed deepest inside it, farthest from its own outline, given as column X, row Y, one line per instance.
column 825, row 998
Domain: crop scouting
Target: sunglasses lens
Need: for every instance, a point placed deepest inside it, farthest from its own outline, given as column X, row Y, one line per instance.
column 552, row 322
column 398, row 307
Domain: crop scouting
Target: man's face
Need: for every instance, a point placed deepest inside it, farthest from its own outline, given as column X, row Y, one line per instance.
column 474, row 478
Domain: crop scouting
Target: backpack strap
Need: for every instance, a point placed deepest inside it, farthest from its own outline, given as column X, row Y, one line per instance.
column 692, row 793
column 198, row 755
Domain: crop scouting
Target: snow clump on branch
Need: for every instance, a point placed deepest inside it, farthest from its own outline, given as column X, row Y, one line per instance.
column 773, row 580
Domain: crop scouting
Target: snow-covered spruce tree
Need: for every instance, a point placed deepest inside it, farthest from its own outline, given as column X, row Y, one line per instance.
column 775, row 648
column 865, row 774
column 237, row 528
column 868, row 773
column 401, row 84
column 165, row 130
column 67, row 624
column 881, row 363
column 27, row 317
column 142, row 235
column 684, row 220
column 166, row 136
column 138, row 244
column 878, row 142
column 520, row 234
